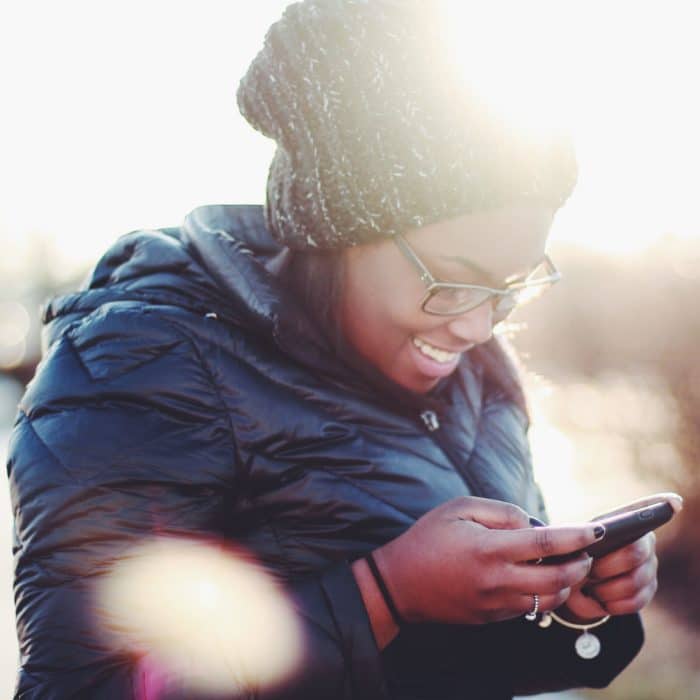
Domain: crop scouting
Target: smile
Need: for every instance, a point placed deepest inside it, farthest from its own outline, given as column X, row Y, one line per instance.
column 442, row 356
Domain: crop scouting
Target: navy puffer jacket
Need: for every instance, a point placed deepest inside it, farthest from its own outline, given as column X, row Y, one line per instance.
column 181, row 392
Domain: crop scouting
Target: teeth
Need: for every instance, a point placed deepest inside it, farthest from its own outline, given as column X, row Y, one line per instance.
column 434, row 353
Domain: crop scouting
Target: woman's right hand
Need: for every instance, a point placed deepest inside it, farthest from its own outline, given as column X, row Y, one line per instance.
column 466, row 562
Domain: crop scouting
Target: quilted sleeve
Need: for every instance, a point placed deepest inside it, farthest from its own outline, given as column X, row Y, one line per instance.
column 120, row 436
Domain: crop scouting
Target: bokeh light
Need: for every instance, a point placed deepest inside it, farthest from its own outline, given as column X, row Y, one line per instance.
column 206, row 616
column 14, row 326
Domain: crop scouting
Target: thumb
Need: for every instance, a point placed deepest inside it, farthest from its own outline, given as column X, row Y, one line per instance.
column 496, row 515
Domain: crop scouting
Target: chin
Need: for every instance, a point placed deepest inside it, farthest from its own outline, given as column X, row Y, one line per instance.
column 418, row 385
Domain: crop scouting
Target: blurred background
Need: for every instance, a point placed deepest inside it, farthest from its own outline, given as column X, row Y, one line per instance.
column 122, row 115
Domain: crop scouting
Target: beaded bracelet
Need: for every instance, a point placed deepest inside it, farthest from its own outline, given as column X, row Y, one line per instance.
column 385, row 591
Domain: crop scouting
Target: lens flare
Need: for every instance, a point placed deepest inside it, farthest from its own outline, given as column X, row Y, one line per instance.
column 512, row 55
column 201, row 617
column 14, row 327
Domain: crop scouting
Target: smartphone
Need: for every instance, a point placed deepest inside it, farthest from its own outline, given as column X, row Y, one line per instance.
column 620, row 529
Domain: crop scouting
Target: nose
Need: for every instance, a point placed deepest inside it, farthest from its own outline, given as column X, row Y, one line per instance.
column 475, row 326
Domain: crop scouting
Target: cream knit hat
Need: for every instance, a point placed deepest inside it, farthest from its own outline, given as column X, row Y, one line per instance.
column 377, row 131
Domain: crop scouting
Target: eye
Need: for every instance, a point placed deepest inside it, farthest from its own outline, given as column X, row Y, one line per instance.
column 452, row 300
column 453, row 274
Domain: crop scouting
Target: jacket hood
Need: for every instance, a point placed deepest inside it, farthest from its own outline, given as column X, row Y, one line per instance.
column 219, row 261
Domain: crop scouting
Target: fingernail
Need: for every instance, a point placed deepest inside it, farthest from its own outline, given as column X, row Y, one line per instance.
column 599, row 532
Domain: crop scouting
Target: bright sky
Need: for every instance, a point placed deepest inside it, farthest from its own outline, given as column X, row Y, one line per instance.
column 122, row 115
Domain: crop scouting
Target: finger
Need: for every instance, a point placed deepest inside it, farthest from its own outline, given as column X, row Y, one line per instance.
column 625, row 586
column 532, row 543
column 525, row 603
column 624, row 559
column 516, row 605
column 673, row 498
column 585, row 607
column 634, row 604
column 547, row 578
column 496, row 515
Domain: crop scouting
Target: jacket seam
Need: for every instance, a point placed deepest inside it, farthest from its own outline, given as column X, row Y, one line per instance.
column 347, row 656
column 354, row 483
column 29, row 422
column 500, row 401
column 210, row 375
column 239, row 474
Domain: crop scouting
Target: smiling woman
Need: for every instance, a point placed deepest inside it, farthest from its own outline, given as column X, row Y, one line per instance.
column 281, row 445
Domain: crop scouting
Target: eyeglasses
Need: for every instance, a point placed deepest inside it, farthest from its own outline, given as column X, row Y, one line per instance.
column 452, row 299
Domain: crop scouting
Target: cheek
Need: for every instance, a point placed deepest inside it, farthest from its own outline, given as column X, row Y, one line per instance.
column 383, row 335
column 401, row 323
column 382, row 310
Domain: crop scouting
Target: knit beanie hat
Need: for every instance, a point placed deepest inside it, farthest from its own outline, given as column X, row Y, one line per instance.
column 377, row 130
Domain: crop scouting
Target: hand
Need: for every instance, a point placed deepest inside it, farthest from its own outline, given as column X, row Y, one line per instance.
column 619, row 583
column 466, row 562
column 623, row 581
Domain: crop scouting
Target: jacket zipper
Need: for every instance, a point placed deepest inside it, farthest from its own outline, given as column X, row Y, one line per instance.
column 430, row 419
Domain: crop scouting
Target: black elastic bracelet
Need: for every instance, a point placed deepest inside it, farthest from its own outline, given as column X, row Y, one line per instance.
column 385, row 591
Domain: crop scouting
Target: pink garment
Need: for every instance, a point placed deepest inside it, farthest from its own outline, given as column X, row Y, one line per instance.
column 151, row 680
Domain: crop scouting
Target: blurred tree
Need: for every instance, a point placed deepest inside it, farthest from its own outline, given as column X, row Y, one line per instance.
column 635, row 315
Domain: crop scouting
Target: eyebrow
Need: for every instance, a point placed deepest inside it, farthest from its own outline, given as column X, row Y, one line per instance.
column 485, row 274
column 466, row 263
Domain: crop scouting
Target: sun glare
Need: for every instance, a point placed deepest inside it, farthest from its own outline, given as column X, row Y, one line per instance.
column 616, row 79
column 619, row 74
column 204, row 617
column 505, row 51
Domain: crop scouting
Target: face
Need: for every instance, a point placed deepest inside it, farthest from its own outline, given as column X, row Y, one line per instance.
column 381, row 312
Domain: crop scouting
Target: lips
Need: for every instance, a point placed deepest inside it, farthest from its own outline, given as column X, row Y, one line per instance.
column 431, row 361
column 433, row 352
column 436, row 352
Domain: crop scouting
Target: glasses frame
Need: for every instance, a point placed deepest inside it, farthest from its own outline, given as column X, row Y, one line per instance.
column 433, row 285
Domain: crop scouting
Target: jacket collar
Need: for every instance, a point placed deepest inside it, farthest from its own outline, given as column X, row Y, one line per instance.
column 234, row 246
column 230, row 237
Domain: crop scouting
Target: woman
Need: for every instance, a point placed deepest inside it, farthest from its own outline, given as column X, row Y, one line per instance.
column 316, row 382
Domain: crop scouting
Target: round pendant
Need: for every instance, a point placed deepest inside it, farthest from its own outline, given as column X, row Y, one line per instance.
column 588, row 646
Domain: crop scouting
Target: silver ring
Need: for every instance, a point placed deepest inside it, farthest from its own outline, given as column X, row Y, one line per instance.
column 535, row 608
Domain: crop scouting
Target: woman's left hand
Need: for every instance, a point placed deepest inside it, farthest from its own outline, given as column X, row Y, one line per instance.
column 619, row 583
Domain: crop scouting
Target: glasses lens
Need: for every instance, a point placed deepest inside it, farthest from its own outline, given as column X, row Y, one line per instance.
column 454, row 300
column 446, row 300
column 502, row 306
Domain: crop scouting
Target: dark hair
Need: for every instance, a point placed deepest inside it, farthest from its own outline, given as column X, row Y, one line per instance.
column 317, row 279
